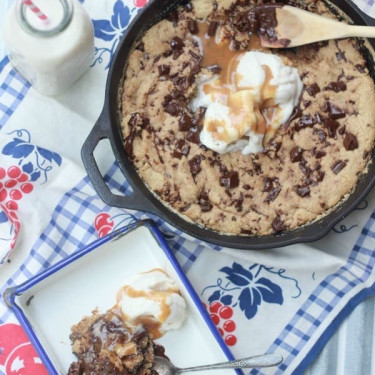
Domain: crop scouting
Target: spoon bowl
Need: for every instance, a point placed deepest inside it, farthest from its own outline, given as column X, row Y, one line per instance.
column 164, row 367
column 287, row 26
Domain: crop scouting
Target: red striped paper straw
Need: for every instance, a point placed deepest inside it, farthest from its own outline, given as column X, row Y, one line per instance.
column 42, row 16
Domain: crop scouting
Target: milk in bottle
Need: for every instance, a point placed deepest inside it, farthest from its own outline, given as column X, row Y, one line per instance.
column 50, row 53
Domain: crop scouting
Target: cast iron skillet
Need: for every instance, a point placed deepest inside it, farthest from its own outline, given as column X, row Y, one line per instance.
column 108, row 127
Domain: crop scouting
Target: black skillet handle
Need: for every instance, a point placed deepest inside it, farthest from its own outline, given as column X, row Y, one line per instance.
column 136, row 201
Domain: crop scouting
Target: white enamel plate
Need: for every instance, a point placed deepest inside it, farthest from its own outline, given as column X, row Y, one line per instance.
column 49, row 304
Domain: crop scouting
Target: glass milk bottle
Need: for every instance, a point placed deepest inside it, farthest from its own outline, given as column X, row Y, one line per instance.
column 50, row 42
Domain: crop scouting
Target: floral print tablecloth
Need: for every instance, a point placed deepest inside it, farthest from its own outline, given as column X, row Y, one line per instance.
column 48, row 209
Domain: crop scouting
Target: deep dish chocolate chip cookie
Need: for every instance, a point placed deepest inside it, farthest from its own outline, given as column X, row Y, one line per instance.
column 304, row 167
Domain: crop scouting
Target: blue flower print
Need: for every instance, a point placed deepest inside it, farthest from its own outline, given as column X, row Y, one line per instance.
column 33, row 160
column 114, row 29
column 111, row 31
column 248, row 288
column 254, row 290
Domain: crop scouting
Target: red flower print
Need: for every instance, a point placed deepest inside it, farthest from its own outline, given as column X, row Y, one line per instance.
column 221, row 316
column 14, row 183
column 17, row 355
column 103, row 225
column 140, row 3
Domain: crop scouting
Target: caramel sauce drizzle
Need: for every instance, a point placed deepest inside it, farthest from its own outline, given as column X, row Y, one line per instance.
column 216, row 51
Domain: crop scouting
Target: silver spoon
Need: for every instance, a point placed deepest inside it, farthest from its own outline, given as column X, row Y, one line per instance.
column 165, row 367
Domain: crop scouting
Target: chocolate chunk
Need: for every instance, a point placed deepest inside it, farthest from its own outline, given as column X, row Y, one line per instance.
column 164, row 70
column 273, row 194
column 173, row 17
column 196, row 68
column 296, row 154
column 214, row 69
column 244, row 22
column 238, row 203
column 167, row 53
column 204, row 202
column 264, row 21
column 306, row 121
column 313, row 89
column 278, row 225
column 319, row 154
column 195, row 164
column 342, row 130
column 205, row 206
column 343, row 75
column 360, row 68
column 189, row 7
column 223, row 167
column 338, row 166
column 173, row 108
column 318, row 118
column 305, row 169
column 140, row 47
column 297, row 113
column 350, row 142
column 320, row 176
column 230, row 180
column 193, row 26
column 257, row 168
column 227, row 192
column 182, row 149
column 268, row 184
column 322, row 136
column 336, row 86
column 235, row 45
column 272, row 149
column 303, row 191
column 185, row 122
column 273, row 187
column 332, row 126
column 175, row 94
column 183, row 83
column 246, row 187
column 193, row 135
column 211, row 31
column 136, row 123
column 128, row 145
column 177, row 43
column 340, row 56
column 334, row 111
column 246, row 231
column 185, row 208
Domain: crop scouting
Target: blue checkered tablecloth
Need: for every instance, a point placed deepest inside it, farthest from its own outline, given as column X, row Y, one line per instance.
column 311, row 288
column 12, row 90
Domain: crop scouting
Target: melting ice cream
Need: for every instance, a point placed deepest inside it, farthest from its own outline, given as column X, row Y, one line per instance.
column 246, row 107
column 152, row 299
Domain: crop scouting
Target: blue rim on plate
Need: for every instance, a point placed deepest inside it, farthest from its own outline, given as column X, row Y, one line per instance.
column 10, row 294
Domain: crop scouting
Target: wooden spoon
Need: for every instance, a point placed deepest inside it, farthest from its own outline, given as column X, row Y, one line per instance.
column 287, row 26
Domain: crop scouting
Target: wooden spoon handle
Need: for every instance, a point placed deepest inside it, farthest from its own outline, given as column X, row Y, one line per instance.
column 360, row 31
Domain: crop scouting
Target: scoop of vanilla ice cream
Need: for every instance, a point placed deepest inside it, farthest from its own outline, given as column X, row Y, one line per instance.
column 251, row 80
column 153, row 294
